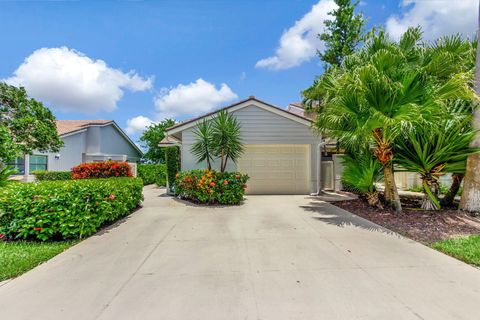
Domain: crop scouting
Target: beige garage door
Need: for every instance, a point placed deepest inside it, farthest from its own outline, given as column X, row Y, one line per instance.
column 276, row 169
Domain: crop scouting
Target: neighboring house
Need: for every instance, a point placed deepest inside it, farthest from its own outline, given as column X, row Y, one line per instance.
column 299, row 109
column 84, row 141
column 282, row 152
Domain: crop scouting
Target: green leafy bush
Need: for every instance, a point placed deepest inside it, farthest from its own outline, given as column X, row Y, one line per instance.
column 208, row 186
column 152, row 173
column 73, row 209
column 172, row 159
column 42, row 175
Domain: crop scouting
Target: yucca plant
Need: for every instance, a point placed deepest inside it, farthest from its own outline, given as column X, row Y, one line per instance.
column 226, row 138
column 433, row 151
column 202, row 148
column 361, row 172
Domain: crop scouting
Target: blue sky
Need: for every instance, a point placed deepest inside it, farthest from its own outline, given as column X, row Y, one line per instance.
column 142, row 60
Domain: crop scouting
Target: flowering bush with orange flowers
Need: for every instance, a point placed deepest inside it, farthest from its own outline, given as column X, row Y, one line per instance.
column 209, row 186
column 105, row 169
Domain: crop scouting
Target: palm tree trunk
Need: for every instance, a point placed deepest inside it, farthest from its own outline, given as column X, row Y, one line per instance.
column 430, row 198
column 373, row 200
column 391, row 188
column 221, row 161
column 447, row 201
column 470, row 201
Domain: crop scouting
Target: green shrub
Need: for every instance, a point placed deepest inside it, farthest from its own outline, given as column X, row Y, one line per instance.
column 152, row 173
column 208, row 186
column 42, row 175
column 73, row 209
column 172, row 159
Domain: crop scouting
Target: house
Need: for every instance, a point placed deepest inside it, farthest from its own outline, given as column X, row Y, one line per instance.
column 282, row 153
column 84, row 141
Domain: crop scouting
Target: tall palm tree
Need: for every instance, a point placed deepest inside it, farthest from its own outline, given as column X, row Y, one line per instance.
column 386, row 90
column 470, row 201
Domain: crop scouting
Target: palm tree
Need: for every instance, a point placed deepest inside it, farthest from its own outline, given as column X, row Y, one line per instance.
column 434, row 151
column 470, row 201
column 226, row 138
column 202, row 148
column 385, row 90
column 360, row 173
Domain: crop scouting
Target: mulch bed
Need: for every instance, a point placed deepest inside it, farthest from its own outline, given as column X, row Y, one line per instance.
column 423, row 226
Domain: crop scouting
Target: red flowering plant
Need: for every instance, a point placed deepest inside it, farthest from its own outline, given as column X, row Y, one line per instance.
column 106, row 169
column 211, row 187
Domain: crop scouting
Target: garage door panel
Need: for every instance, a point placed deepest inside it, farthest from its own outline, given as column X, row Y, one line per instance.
column 276, row 169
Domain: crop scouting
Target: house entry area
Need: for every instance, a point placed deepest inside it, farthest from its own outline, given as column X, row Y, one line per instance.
column 276, row 169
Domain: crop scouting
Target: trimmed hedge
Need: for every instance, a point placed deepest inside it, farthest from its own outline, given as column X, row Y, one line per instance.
column 43, row 175
column 104, row 169
column 152, row 173
column 172, row 160
column 74, row 209
column 208, row 186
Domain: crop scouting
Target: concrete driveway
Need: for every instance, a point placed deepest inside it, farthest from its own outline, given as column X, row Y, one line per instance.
column 275, row 257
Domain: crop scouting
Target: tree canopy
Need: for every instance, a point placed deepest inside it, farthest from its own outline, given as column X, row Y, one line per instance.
column 343, row 33
column 151, row 138
column 25, row 125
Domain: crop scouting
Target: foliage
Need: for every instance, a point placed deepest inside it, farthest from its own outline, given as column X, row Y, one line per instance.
column 104, row 169
column 202, row 149
column 220, row 139
column 434, row 151
column 25, row 125
column 19, row 257
column 71, row 209
column 360, row 173
column 387, row 89
column 41, row 175
column 151, row 138
column 172, row 158
column 342, row 34
column 465, row 249
column 209, row 186
column 5, row 173
column 152, row 173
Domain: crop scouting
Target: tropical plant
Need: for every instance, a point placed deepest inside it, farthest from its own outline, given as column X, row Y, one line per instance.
column 5, row 173
column 341, row 37
column 151, row 138
column 203, row 147
column 470, row 201
column 226, row 140
column 386, row 90
column 360, row 173
column 433, row 151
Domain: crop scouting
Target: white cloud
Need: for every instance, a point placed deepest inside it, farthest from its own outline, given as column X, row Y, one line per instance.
column 300, row 42
column 68, row 80
column 191, row 99
column 436, row 17
column 138, row 124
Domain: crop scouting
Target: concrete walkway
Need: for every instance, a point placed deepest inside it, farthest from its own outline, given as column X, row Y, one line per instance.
column 275, row 257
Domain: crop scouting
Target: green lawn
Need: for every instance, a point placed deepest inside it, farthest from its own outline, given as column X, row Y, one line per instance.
column 465, row 249
column 19, row 257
